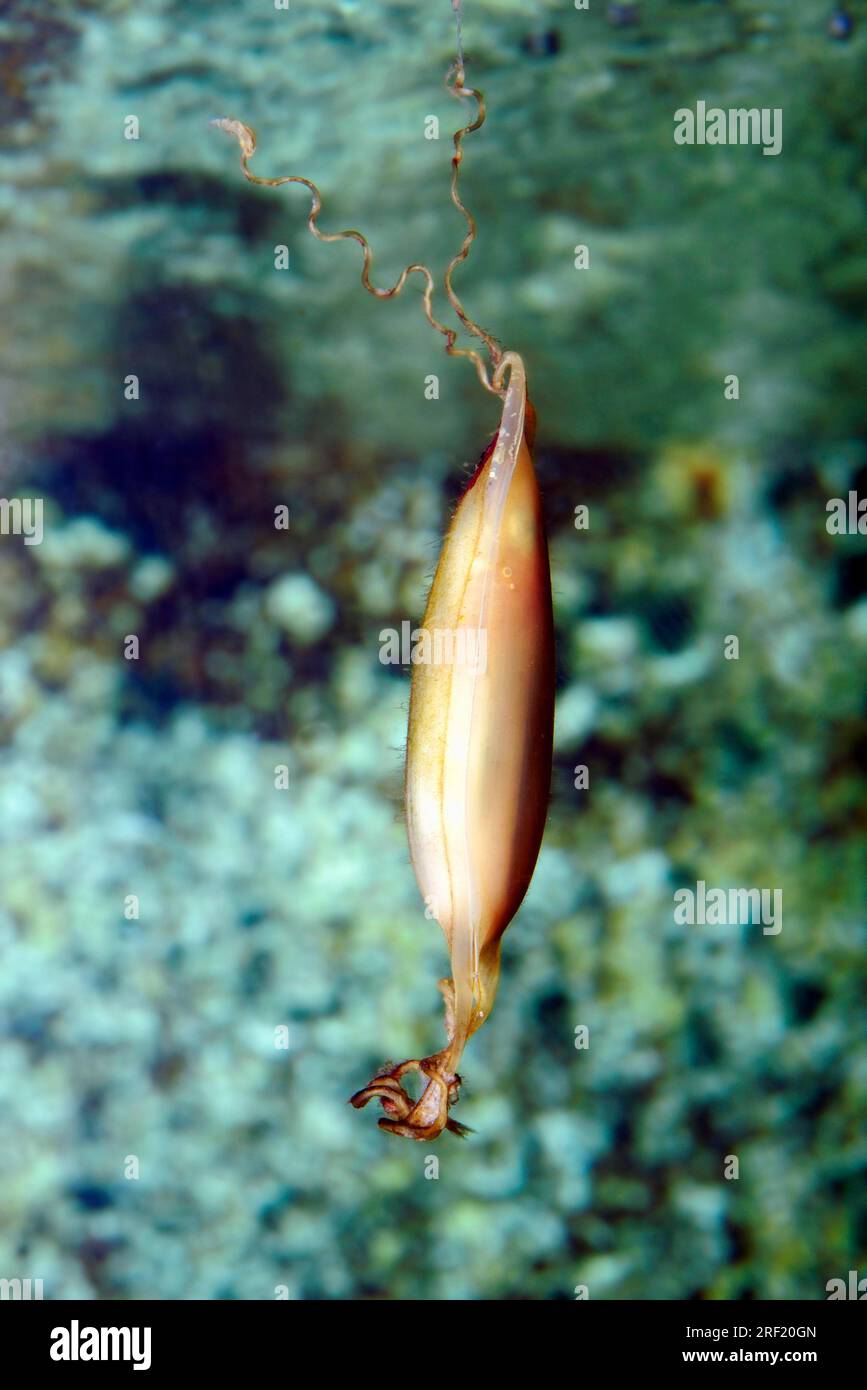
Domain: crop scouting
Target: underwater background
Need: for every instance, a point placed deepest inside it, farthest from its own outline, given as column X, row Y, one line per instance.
column 159, row 1136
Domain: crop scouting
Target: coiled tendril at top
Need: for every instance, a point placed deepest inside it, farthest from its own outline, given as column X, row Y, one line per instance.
column 490, row 377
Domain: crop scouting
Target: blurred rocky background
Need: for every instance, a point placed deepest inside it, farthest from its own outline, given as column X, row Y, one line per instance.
column 148, row 1044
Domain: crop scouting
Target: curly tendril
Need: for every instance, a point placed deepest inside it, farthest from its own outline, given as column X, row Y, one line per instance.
column 455, row 84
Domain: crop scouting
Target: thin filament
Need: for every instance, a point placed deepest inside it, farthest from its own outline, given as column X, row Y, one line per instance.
column 455, row 83
column 456, row 6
